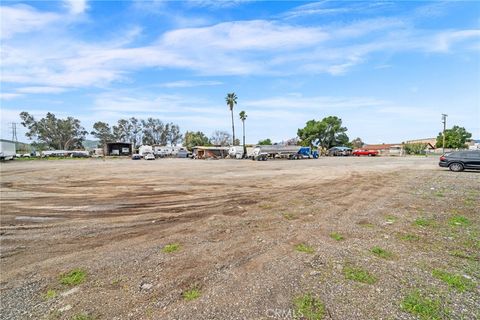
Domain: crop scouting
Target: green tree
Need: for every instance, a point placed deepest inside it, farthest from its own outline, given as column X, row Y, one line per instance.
column 231, row 100
column 152, row 131
column 243, row 117
column 454, row 138
column 265, row 142
column 415, row 148
column 122, row 131
column 103, row 132
column 194, row 139
column 174, row 135
column 59, row 134
column 221, row 138
column 326, row 133
column 357, row 143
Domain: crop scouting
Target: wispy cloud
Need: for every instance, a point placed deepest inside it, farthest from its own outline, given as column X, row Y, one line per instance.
column 189, row 83
column 45, row 90
column 247, row 47
column 23, row 19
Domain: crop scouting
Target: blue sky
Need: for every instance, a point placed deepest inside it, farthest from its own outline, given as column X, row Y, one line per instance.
column 388, row 69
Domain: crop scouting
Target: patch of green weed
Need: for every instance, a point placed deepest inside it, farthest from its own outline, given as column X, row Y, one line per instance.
column 308, row 307
column 191, row 294
column 381, row 253
column 74, row 277
column 423, row 222
column 358, row 274
column 410, row 237
column 425, row 308
column 50, row 294
column 172, row 247
column 459, row 221
column 336, row 236
column 391, row 219
column 304, row 248
column 82, row 316
column 454, row 280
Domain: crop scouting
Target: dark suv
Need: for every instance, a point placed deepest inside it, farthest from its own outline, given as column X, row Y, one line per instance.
column 459, row 160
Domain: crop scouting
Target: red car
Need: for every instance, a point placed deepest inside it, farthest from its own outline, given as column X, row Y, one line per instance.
column 361, row 152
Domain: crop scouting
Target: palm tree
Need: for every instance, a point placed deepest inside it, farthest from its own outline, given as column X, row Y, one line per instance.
column 243, row 117
column 231, row 101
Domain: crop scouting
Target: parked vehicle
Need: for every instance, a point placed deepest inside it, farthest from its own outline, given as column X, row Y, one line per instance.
column 26, row 155
column 136, row 156
column 361, row 152
column 80, row 154
column 149, row 156
column 339, row 151
column 7, row 150
column 263, row 152
column 459, row 160
column 54, row 153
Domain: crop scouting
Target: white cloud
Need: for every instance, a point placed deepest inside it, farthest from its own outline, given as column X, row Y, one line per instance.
column 445, row 40
column 76, row 6
column 22, row 19
column 256, row 47
column 244, row 35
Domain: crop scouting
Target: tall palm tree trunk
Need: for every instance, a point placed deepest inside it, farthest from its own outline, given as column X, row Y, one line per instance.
column 244, row 148
column 233, row 129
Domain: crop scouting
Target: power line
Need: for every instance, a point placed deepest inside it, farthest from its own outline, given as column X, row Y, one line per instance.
column 444, row 121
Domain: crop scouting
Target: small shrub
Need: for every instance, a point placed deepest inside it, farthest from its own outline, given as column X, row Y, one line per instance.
column 336, row 236
column 74, row 277
column 307, row 307
column 454, row 280
column 358, row 274
column 191, row 294
column 381, row 253
column 304, row 248
column 458, row 220
column 172, row 247
column 425, row 308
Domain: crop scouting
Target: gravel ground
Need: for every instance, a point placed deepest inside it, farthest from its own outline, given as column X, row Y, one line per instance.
column 237, row 224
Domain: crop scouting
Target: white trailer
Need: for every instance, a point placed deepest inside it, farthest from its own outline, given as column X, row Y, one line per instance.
column 7, row 150
column 263, row 152
column 236, row 152
column 54, row 153
column 143, row 150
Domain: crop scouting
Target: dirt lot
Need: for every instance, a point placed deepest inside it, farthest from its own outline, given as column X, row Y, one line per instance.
column 381, row 238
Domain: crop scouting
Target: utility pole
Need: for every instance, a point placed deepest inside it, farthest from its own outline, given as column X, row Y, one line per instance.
column 14, row 132
column 444, row 120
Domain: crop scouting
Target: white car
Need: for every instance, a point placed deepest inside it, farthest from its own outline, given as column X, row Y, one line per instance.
column 149, row 156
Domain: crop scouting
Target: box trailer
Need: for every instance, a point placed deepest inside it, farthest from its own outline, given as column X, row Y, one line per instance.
column 7, row 150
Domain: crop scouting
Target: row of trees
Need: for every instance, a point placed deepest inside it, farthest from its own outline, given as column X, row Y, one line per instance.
column 51, row 132
column 54, row 133
column 137, row 132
